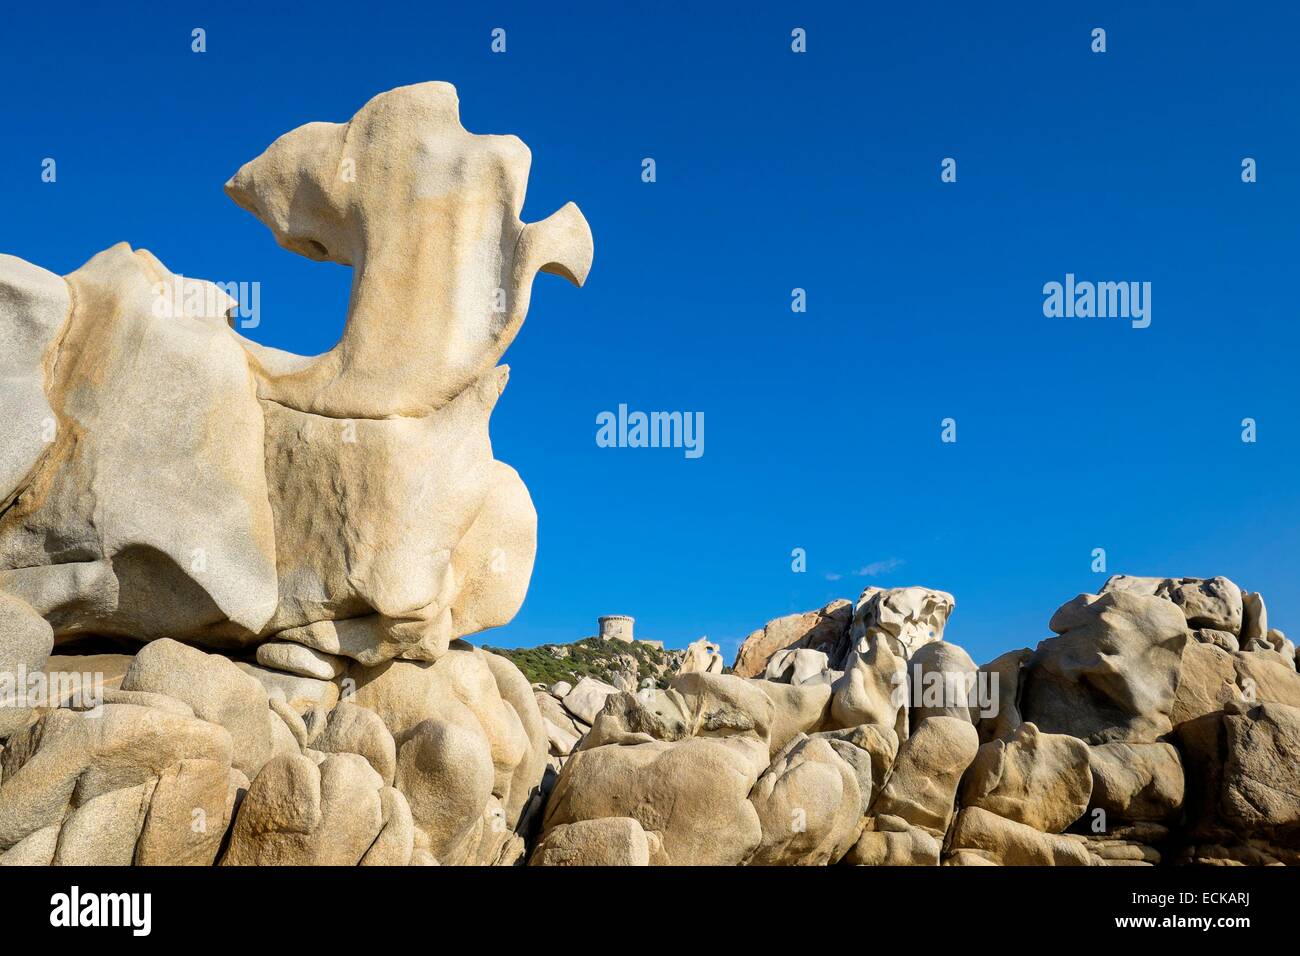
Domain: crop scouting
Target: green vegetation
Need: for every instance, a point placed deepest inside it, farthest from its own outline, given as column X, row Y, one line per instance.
column 591, row 657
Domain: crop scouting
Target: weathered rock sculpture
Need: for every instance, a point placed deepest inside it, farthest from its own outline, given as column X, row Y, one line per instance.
column 162, row 476
column 335, row 522
column 265, row 563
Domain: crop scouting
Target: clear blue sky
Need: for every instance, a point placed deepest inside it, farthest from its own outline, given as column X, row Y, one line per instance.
column 776, row 171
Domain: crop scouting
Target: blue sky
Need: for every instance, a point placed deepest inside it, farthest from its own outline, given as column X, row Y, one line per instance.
column 777, row 170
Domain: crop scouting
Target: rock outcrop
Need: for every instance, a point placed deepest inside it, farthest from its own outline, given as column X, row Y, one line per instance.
column 235, row 585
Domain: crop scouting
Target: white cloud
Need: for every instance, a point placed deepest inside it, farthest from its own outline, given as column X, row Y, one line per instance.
column 876, row 568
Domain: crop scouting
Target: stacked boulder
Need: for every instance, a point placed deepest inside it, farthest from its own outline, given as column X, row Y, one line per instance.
column 182, row 757
column 1161, row 724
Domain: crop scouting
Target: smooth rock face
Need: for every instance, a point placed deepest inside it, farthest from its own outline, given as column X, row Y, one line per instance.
column 1009, row 670
column 609, row 841
column 182, row 495
column 296, row 814
column 1008, row 843
column 872, row 689
column 799, row 666
column 941, row 683
column 587, row 698
column 25, row 644
column 217, row 690
column 1136, row 782
column 821, row 630
column 929, row 767
column 1113, row 675
column 692, row 794
column 1041, row 780
column 809, row 806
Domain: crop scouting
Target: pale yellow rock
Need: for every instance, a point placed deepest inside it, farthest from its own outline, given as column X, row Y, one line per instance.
column 348, row 728
column 799, row 666
column 186, row 817
column 702, row 656
column 34, row 305
column 1207, row 679
column 25, row 644
column 1136, row 782
column 103, row 830
column 1041, row 780
column 587, row 698
column 796, row 709
column 1113, row 674
column 296, row 814
column 208, row 489
column 930, row 763
column 880, row 744
column 608, row 841
column 1007, row 670
column 820, row 630
column 809, row 806
column 445, row 771
column 891, row 842
column 941, row 681
column 692, row 794
column 463, row 689
column 908, row 617
column 217, row 690
column 396, row 841
column 1009, row 843
column 66, row 759
column 297, row 659
column 35, row 849
column 300, row 693
column 873, row 688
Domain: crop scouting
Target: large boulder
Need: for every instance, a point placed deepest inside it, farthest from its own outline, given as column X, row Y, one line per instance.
column 820, row 630
column 1112, row 675
column 67, row 759
column 1207, row 679
column 908, row 617
column 692, row 795
column 464, row 689
column 1135, row 783
column 1214, row 603
column 929, row 767
column 217, row 690
column 299, row 814
column 1004, row 673
column 872, row 689
column 941, row 679
column 809, row 805
column 1005, row 842
column 1040, row 780
column 608, row 841
column 587, row 698
column 796, row 709
column 25, row 643
column 1242, row 780
column 798, row 666
column 701, row 656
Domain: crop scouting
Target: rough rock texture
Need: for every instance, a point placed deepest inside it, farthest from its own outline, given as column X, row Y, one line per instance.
column 909, row 617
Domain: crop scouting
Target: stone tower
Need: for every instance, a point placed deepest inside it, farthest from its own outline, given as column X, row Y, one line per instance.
column 616, row 627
